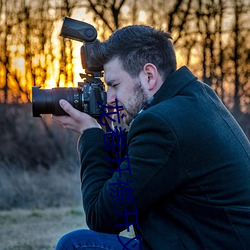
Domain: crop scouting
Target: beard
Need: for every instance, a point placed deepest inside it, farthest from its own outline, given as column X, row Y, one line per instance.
column 135, row 103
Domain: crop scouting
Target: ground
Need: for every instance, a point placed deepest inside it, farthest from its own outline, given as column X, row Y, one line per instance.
column 22, row 229
column 37, row 229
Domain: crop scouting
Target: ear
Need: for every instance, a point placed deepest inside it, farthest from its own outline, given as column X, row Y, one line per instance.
column 152, row 76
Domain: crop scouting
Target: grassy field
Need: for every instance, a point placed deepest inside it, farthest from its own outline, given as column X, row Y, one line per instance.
column 23, row 229
column 37, row 229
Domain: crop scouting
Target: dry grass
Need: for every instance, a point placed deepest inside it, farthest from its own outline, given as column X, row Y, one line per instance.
column 37, row 229
column 39, row 165
column 21, row 188
column 40, row 229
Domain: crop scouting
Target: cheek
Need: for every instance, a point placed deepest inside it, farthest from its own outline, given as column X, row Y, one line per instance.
column 112, row 92
column 121, row 95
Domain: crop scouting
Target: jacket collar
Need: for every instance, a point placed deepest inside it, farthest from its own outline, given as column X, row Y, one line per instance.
column 173, row 84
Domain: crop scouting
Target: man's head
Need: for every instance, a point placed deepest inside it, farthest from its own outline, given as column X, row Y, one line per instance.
column 136, row 61
column 135, row 46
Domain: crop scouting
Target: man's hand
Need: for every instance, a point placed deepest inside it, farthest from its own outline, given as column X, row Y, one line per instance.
column 77, row 120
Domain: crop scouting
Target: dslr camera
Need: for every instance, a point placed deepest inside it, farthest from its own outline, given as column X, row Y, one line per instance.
column 90, row 94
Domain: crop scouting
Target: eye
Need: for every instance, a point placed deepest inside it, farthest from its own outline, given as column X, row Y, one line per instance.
column 115, row 85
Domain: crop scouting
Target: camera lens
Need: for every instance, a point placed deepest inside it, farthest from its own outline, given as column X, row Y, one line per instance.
column 46, row 101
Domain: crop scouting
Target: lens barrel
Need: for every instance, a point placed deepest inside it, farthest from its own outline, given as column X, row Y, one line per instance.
column 46, row 101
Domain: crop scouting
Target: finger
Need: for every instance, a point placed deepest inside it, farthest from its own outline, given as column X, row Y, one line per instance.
column 59, row 119
column 68, row 108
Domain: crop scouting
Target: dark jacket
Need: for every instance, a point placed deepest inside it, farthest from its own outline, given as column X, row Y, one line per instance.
column 190, row 172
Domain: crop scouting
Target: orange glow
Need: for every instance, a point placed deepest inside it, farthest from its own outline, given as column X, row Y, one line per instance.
column 43, row 68
column 142, row 17
column 180, row 59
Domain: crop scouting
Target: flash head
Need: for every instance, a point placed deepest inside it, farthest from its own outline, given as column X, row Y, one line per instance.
column 76, row 30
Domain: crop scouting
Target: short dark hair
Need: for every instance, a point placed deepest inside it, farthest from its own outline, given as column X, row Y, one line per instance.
column 135, row 46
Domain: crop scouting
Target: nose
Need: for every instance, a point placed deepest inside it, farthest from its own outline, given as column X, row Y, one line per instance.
column 110, row 97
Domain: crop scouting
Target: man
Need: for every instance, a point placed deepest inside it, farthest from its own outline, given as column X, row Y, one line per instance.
column 187, row 160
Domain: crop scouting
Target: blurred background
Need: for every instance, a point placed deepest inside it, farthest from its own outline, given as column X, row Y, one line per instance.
column 38, row 160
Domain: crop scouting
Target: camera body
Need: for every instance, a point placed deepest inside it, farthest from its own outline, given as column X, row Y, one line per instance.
column 89, row 93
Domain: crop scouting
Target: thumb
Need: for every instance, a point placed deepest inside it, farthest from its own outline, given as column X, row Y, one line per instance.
column 66, row 106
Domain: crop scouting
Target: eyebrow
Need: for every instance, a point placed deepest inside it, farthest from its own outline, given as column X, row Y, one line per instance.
column 110, row 82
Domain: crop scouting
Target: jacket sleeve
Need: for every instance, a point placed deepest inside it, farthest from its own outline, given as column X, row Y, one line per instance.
column 152, row 169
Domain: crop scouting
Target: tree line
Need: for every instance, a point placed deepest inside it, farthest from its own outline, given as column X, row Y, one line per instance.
column 210, row 36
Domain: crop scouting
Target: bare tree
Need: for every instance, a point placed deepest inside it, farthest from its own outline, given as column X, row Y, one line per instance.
column 210, row 35
column 217, row 32
column 4, row 56
column 66, row 8
column 11, row 89
column 107, row 11
column 239, row 53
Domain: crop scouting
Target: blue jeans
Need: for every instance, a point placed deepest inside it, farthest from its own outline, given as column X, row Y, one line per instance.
column 89, row 240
